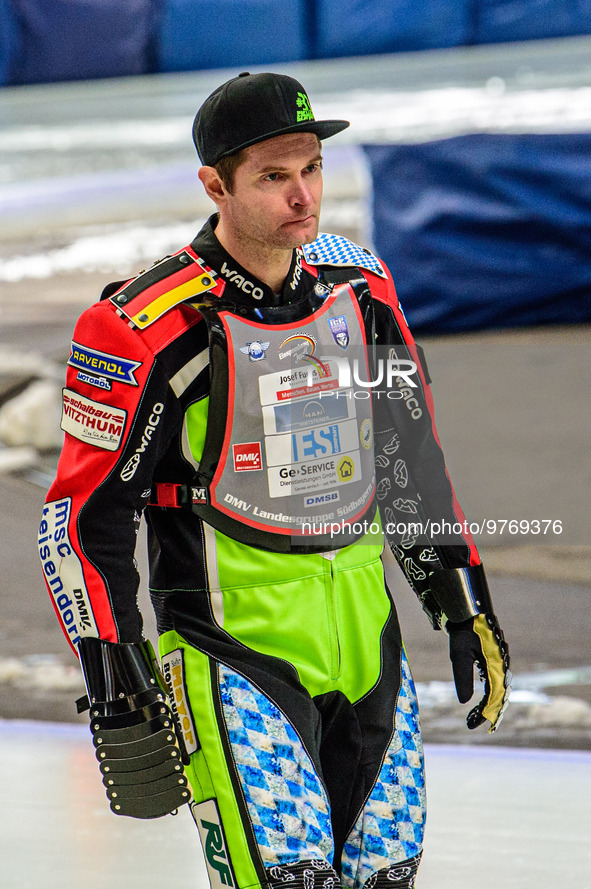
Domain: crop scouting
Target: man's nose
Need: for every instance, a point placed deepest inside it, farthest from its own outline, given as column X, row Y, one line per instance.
column 300, row 194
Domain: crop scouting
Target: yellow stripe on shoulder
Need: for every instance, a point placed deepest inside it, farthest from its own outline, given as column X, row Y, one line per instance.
column 162, row 304
column 176, row 280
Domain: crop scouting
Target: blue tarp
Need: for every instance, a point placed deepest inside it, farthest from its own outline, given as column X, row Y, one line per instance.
column 486, row 230
column 80, row 39
column 52, row 40
column 8, row 40
column 196, row 34
column 356, row 27
column 497, row 21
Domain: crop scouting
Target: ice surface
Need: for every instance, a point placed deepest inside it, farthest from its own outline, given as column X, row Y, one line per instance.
column 516, row 819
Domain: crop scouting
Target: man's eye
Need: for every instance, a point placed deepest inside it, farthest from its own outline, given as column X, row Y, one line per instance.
column 272, row 177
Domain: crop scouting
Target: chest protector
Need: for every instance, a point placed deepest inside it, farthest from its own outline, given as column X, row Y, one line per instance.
column 288, row 461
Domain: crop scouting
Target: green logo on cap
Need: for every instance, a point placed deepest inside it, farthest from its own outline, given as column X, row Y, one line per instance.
column 305, row 112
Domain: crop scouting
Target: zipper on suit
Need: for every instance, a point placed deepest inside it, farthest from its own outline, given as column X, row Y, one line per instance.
column 335, row 643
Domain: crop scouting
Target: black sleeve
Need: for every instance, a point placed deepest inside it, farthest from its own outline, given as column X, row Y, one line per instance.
column 423, row 521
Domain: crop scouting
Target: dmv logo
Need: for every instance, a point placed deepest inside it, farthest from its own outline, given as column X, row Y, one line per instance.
column 247, row 456
column 111, row 366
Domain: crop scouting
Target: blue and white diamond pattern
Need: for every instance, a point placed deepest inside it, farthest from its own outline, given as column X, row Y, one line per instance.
column 336, row 250
column 390, row 829
column 286, row 801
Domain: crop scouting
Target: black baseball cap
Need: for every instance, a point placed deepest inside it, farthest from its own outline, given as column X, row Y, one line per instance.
column 251, row 108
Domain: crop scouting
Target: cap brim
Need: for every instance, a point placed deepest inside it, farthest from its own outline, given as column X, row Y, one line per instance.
column 322, row 128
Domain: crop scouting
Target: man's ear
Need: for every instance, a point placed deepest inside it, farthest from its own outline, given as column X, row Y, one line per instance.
column 213, row 185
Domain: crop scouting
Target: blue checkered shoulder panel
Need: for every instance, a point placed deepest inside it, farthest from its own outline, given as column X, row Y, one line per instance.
column 338, row 251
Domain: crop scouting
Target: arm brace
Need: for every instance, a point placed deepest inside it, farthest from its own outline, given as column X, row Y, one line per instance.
column 133, row 728
column 460, row 593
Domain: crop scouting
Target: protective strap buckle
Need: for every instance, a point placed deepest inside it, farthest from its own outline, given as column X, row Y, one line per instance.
column 166, row 494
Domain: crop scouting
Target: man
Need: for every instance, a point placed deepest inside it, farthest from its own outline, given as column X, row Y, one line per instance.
column 227, row 390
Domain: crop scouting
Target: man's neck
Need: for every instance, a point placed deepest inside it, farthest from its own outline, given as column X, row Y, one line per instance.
column 269, row 265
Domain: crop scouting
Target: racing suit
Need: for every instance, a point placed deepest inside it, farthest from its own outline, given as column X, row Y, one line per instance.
column 284, row 656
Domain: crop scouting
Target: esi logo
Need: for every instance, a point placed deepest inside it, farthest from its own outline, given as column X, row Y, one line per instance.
column 315, row 443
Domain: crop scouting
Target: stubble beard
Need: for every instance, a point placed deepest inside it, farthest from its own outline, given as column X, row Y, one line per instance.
column 256, row 235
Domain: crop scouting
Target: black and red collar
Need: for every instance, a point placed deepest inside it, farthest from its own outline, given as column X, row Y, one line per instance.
column 241, row 284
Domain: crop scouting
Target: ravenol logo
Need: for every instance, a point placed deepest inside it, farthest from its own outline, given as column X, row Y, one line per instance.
column 111, row 366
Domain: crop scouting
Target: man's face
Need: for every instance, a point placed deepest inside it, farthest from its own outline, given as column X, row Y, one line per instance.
column 277, row 192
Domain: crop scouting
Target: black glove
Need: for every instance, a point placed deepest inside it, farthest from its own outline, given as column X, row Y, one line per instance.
column 133, row 729
column 479, row 640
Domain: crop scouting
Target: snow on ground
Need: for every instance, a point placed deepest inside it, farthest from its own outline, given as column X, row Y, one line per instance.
column 118, row 248
column 378, row 114
column 33, row 417
column 530, row 705
column 113, row 249
column 29, row 421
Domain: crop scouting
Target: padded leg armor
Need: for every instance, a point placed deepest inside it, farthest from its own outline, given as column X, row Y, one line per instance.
column 133, row 729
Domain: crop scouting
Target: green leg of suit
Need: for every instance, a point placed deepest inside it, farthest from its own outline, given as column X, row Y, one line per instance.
column 307, row 759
